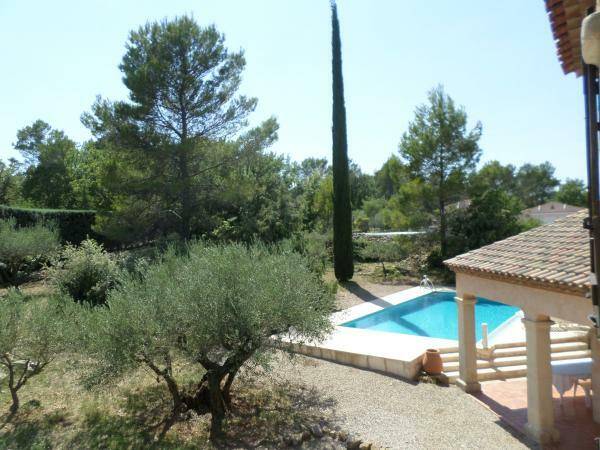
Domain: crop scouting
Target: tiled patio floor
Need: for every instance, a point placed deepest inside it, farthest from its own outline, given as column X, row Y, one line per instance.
column 573, row 420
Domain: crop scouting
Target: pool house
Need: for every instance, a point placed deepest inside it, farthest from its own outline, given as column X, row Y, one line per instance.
column 545, row 273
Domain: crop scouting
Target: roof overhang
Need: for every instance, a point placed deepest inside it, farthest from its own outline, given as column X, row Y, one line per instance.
column 554, row 257
column 565, row 20
column 534, row 301
column 541, row 284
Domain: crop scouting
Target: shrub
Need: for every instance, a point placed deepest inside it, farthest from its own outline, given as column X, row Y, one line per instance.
column 361, row 222
column 216, row 307
column 135, row 260
column 30, row 337
column 383, row 251
column 435, row 259
column 86, row 273
column 315, row 247
column 23, row 250
column 73, row 225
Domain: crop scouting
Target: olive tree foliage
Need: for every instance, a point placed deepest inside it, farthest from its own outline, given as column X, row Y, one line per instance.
column 24, row 249
column 215, row 307
column 31, row 336
column 441, row 151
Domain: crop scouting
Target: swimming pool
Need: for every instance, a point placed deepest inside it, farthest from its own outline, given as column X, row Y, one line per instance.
column 433, row 315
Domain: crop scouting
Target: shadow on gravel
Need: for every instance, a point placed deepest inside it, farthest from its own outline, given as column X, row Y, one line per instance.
column 264, row 415
column 363, row 294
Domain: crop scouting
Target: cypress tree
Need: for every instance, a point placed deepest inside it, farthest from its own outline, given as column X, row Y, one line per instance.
column 342, row 212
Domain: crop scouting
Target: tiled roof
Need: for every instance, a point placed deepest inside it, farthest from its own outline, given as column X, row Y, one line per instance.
column 565, row 21
column 554, row 257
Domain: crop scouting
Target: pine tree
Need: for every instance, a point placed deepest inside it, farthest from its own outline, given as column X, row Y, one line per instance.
column 441, row 152
column 342, row 212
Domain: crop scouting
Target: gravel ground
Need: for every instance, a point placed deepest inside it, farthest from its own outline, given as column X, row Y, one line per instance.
column 361, row 290
column 397, row 414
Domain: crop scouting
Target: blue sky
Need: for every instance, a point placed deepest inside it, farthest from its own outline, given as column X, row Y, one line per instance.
column 497, row 59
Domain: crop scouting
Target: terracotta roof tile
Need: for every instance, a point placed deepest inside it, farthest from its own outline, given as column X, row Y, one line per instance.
column 565, row 20
column 555, row 256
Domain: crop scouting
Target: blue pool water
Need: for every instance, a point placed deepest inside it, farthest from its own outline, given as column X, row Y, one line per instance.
column 433, row 315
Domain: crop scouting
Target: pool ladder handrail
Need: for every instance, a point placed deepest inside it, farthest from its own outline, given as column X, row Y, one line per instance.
column 426, row 283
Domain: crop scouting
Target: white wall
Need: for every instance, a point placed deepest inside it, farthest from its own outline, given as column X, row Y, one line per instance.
column 531, row 300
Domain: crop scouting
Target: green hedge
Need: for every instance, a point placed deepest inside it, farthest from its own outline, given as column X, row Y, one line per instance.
column 73, row 225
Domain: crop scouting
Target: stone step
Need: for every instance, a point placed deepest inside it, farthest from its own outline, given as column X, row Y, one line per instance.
column 452, row 366
column 556, row 348
column 449, row 357
column 497, row 373
column 518, row 360
column 575, row 354
column 580, row 336
column 518, row 348
column 502, row 373
column 448, row 350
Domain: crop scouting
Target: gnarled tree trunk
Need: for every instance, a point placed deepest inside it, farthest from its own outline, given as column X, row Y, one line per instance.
column 14, row 407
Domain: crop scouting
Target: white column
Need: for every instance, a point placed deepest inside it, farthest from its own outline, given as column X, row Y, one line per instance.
column 595, row 346
column 540, row 409
column 467, row 350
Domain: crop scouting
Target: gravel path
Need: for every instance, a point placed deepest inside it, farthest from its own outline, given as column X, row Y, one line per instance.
column 393, row 413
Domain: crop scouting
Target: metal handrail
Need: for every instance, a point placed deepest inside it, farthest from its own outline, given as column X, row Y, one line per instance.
column 427, row 284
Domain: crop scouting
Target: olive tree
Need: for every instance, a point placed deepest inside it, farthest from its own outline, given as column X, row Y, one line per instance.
column 215, row 307
column 30, row 337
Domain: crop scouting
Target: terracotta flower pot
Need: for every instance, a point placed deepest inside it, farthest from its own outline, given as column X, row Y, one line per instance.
column 432, row 362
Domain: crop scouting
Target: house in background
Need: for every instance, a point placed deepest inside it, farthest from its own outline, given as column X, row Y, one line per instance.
column 550, row 211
